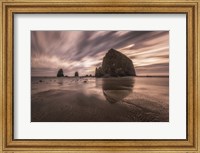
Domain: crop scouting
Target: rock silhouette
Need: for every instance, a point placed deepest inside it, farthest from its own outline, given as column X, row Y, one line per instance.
column 99, row 72
column 115, row 64
column 60, row 73
column 76, row 74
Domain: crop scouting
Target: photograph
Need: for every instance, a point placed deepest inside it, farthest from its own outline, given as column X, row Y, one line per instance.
column 99, row 76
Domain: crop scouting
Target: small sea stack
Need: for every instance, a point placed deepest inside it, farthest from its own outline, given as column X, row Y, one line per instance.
column 60, row 73
column 76, row 74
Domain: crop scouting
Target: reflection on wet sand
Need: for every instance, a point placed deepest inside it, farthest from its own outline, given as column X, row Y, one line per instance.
column 60, row 82
column 115, row 89
column 121, row 99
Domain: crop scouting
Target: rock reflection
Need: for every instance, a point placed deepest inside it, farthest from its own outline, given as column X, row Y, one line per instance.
column 116, row 89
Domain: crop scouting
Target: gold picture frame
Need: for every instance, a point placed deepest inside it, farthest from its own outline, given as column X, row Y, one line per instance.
column 10, row 7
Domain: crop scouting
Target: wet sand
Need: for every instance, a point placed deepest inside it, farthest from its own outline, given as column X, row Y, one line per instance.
column 99, row 100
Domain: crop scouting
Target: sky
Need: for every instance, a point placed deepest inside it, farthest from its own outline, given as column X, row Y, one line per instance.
column 83, row 51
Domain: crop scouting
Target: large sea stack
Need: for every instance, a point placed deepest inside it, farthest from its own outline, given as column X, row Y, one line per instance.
column 115, row 64
column 60, row 73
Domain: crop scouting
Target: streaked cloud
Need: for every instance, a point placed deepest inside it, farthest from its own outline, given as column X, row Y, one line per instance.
column 83, row 51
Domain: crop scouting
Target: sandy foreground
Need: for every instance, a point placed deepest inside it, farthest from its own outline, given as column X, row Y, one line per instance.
column 115, row 106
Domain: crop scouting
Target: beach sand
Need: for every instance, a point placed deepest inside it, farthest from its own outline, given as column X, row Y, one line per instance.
column 99, row 100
